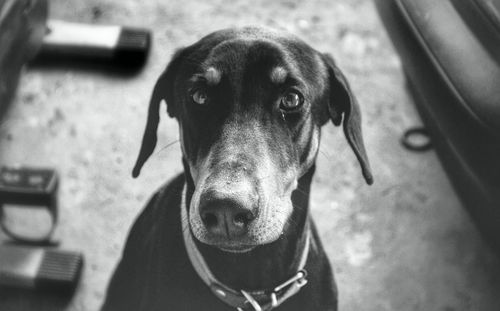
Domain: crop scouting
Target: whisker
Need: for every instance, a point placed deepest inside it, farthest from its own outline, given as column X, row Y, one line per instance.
column 303, row 191
column 292, row 223
column 166, row 146
column 299, row 207
column 326, row 155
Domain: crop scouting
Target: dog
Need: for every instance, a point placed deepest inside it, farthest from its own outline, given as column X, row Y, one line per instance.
column 234, row 232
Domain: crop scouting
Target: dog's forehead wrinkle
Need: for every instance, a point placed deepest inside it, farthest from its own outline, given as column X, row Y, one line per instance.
column 229, row 54
column 226, row 54
column 229, row 39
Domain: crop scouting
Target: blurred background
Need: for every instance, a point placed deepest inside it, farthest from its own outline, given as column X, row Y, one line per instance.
column 405, row 243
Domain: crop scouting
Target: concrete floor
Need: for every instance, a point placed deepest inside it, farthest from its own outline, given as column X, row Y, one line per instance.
column 405, row 243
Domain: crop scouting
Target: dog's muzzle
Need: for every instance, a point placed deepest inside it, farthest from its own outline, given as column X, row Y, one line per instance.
column 256, row 300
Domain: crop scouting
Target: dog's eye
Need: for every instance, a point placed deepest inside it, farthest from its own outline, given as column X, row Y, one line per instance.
column 291, row 100
column 200, row 97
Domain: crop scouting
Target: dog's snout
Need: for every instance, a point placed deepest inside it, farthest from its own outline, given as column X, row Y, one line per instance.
column 225, row 215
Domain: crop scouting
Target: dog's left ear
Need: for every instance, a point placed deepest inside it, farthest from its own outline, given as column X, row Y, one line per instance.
column 342, row 101
column 163, row 90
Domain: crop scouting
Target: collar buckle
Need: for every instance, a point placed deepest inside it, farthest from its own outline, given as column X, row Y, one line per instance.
column 300, row 279
column 252, row 301
column 280, row 293
column 288, row 288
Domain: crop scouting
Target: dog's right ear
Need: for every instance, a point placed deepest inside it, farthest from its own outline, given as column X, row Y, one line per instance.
column 163, row 90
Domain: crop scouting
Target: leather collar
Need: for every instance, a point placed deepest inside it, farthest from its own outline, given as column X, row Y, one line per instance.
column 260, row 300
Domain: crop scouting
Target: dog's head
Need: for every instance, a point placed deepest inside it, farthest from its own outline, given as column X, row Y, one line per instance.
column 250, row 104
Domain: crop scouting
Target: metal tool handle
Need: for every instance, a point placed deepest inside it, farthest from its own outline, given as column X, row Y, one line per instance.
column 102, row 43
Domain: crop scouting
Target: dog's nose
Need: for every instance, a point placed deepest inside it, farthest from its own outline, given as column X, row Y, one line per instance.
column 225, row 216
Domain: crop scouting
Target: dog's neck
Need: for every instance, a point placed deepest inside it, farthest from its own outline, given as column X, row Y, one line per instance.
column 265, row 266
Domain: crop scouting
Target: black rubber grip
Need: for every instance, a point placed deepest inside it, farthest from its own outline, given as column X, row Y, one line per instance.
column 133, row 47
column 59, row 271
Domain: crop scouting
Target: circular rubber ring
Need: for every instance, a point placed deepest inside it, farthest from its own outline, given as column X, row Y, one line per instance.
column 416, row 131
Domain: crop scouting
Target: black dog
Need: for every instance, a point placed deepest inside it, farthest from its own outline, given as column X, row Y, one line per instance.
column 234, row 231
